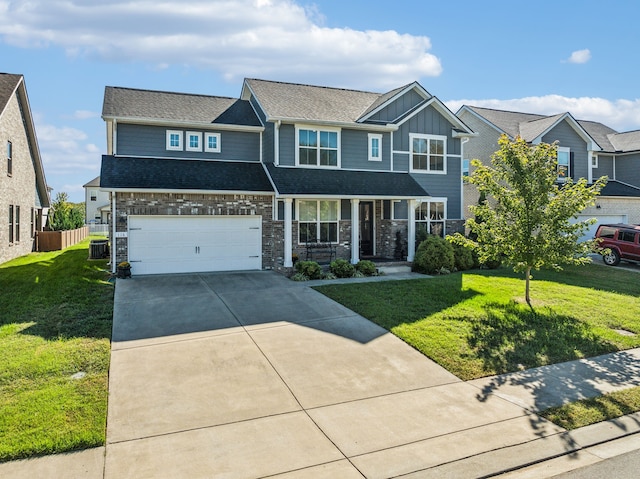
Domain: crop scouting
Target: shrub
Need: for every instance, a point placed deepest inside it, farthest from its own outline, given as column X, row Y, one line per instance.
column 342, row 268
column 310, row 269
column 299, row 277
column 421, row 235
column 366, row 267
column 462, row 257
column 329, row 275
column 433, row 254
column 492, row 264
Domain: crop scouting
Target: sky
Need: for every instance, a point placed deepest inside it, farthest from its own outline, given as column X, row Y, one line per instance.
column 545, row 56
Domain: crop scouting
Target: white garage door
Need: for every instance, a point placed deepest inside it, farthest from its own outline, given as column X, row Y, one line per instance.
column 600, row 219
column 190, row 244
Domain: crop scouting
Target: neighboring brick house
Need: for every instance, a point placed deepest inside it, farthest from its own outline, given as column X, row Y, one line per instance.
column 24, row 197
column 205, row 183
column 586, row 149
column 96, row 203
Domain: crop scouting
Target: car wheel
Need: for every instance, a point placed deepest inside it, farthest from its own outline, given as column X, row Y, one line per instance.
column 612, row 259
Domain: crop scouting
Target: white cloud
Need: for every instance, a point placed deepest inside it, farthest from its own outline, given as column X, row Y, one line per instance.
column 276, row 39
column 85, row 114
column 621, row 115
column 66, row 150
column 580, row 56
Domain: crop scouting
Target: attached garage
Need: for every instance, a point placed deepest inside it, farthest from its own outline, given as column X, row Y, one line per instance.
column 600, row 219
column 191, row 244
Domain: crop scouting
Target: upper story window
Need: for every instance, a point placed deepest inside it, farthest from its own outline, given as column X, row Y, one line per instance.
column 317, row 147
column 212, row 142
column 93, row 195
column 375, row 147
column 594, row 160
column 564, row 154
column 174, row 140
column 428, row 153
column 10, row 223
column 194, row 141
column 465, row 167
column 9, row 158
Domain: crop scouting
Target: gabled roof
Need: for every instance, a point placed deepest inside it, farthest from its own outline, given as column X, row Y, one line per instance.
column 600, row 133
column 625, row 142
column 344, row 183
column 617, row 188
column 94, row 182
column 382, row 99
column 132, row 173
column 130, row 103
column 292, row 101
column 11, row 84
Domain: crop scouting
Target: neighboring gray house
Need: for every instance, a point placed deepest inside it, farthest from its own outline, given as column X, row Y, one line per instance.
column 586, row 149
column 96, row 203
column 204, row 183
column 24, row 197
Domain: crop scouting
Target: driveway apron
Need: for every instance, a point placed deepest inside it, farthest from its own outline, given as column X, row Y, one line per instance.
column 248, row 375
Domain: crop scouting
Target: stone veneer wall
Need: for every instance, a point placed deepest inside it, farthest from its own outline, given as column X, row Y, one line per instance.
column 198, row 204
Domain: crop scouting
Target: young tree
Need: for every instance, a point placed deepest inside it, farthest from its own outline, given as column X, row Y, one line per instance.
column 526, row 218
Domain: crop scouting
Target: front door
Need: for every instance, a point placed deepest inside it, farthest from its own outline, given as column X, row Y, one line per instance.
column 366, row 228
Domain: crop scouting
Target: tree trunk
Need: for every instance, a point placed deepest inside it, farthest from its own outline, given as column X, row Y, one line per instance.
column 527, row 276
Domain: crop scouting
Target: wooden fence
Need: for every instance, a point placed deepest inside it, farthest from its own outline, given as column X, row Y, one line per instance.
column 57, row 240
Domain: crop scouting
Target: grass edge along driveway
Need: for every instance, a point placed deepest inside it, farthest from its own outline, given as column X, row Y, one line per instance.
column 55, row 330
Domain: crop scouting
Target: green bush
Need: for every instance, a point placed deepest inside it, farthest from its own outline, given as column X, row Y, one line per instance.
column 310, row 269
column 299, row 277
column 492, row 264
column 366, row 267
column 434, row 254
column 462, row 257
column 421, row 235
column 342, row 268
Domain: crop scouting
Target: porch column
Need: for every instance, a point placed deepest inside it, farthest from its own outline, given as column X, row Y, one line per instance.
column 355, row 231
column 288, row 261
column 411, row 230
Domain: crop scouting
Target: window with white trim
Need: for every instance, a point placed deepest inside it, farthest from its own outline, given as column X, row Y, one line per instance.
column 594, row 160
column 93, row 195
column 174, row 140
column 375, row 147
column 194, row 141
column 430, row 217
column 317, row 147
column 465, row 167
column 212, row 142
column 10, row 223
column 317, row 221
column 564, row 155
column 428, row 153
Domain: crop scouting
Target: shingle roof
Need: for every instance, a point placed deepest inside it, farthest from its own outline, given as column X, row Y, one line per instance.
column 599, row 132
column 315, row 181
column 165, row 174
column 308, row 102
column 628, row 141
column 8, row 84
column 383, row 98
column 507, row 121
column 181, row 107
column 615, row 188
column 94, row 182
column 531, row 130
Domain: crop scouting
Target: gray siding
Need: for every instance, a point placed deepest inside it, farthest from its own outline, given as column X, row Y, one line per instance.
column 567, row 137
column 145, row 140
column 446, row 186
column 628, row 169
column 267, row 135
column 355, row 151
column 429, row 121
column 287, row 145
column 398, row 108
column 605, row 167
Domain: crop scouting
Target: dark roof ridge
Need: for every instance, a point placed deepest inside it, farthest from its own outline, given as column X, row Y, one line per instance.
column 172, row 92
column 319, row 86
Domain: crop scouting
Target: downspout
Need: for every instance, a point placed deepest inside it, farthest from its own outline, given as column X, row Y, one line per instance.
column 276, row 143
column 113, row 233
column 463, row 212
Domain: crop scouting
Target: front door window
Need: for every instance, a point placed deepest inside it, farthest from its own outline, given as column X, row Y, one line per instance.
column 366, row 228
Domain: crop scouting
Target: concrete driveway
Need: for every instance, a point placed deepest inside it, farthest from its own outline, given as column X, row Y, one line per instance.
column 247, row 375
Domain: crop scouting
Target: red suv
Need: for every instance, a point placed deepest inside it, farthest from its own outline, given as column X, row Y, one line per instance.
column 622, row 240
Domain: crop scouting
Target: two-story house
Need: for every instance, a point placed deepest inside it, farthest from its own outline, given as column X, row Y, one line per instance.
column 205, row 183
column 96, row 203
column 24, row 197
column 586, row 149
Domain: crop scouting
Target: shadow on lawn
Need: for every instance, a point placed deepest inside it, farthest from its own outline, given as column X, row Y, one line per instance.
column 60, row 296
column 516, row 338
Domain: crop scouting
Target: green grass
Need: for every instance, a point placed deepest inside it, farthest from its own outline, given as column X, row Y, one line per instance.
column 476, row 323
column 589, row 411
column 55, row 321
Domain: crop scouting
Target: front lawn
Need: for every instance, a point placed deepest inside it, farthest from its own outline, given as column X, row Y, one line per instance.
column 477, row 324
column 55, row 329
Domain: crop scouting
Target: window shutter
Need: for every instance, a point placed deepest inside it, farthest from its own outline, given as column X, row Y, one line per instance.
column 571, row 162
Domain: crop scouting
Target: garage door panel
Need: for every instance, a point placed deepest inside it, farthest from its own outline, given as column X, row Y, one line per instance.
column 168, row 244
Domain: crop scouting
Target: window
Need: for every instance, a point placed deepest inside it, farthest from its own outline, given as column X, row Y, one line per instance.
column 10, row 223
column 563, row 163
column 400, row 210
column 212, row 142
column 375, row 147
column 9, row 158
column 17, row 224
column 318, row 221
column 430, row 217
column 194, row 141
column 428, row 153
column 465, row 167
column 594, row 161
column 317, row 147
column 93, row 195
column 628, row 236
column 174, row 140
column 33, row 222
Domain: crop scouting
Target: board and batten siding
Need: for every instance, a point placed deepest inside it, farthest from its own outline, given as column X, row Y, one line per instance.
column 150, row 141
column 568, row 137
column 355, row 151
column 628, row 169
column 398, row 107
